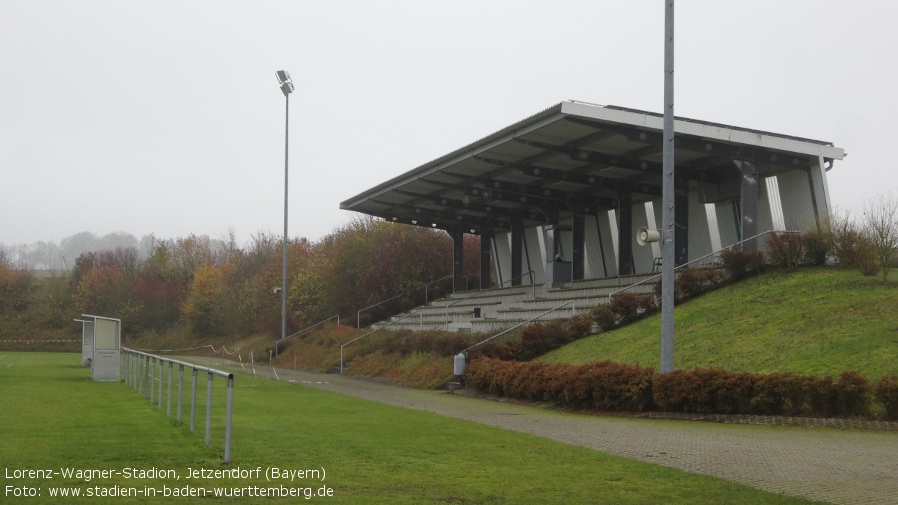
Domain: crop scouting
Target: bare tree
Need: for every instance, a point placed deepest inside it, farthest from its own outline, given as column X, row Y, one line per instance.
column 849, row 243
column 881, row 226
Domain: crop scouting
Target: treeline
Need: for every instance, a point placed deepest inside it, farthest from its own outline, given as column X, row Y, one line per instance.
column 220, row 289
column 42, row 255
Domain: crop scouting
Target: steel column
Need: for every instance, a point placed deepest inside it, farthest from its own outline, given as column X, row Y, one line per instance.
column 668, row 215
column 458, row 260
column 517, row 253
column 486, row 238
column 748, row 202
column 625, row 236
column 578, row 256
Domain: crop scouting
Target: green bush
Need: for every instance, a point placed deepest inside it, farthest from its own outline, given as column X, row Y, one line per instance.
column 852, row 245
column 629, row 307
column 852, row 392
column 540, row 338
column 705, row 390
column 618, row 387
column 440, row 343
column 692, row 282
column 739, row 264
column 537, row 339
column 603, row 317
column 778, row 394
column 785, row 250
column 817, row 246
column 886, row 393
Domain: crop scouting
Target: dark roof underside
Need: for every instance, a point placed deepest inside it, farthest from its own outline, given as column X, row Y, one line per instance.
column 563, row 161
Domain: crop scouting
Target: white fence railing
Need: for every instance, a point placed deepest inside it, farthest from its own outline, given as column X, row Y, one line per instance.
column 141, row 374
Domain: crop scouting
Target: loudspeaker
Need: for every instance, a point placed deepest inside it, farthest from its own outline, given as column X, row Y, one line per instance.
column 644, row 236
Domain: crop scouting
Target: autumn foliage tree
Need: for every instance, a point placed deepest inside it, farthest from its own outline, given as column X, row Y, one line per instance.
column 215, row 288
column 203, row 310
column 369, row 261
column 15, row 284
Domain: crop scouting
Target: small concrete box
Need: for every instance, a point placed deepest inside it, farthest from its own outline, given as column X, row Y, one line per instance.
column 107, row 340
column 87, row 342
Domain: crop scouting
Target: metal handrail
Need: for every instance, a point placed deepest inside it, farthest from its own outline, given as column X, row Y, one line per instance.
column 304, row 330
column 503, row 332
column 141, row 382
column 715, row 253
column 358, row 321
column 420, row 314
column 530, row 273
column 479, row 291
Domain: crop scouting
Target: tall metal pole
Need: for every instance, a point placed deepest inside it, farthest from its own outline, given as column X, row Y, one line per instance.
column 286, row 85
column 284, row 277
column 667, row 213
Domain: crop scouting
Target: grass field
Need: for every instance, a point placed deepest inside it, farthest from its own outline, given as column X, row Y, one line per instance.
column 53, row 417
column 815, row 321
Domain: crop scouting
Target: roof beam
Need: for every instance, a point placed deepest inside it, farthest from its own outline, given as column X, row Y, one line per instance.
column 618, row 185
column 702, row 145
column 441, row 219
column 588, row 156
column 530, row 194
column 463, row 206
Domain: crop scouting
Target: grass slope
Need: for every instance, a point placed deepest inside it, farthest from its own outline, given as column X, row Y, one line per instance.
column 814, row 321
column 53, row 417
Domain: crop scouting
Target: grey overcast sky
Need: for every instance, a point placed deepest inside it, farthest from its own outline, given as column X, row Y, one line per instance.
column 165, row 117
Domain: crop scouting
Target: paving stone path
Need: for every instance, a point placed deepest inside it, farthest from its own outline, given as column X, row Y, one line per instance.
column 833, row 465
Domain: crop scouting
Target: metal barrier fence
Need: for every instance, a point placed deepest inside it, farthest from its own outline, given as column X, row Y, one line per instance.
column 712, row 259
column 358, row 320
column 140, row 373
column 417, row 312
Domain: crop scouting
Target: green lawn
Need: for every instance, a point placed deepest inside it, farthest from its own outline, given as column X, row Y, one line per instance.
column 54, row 417
column 815, row 321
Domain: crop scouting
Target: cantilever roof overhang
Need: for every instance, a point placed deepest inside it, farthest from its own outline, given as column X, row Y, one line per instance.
column 575, row 158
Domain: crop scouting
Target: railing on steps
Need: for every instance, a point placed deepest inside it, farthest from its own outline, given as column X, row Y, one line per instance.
column 358, row 321
column 479, row 291
column 503, row 332
column 374, row 331
column 337, row 317
column 684, row 265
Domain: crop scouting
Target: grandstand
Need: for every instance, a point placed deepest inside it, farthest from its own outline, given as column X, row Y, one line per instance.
column 556, row 200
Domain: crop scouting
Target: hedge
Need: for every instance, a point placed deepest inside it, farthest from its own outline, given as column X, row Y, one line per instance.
column 632, row 388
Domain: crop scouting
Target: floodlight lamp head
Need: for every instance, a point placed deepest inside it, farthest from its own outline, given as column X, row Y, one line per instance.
column 285, row 81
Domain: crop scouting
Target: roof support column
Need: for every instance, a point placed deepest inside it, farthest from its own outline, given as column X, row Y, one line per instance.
column 458, row 257
column 517, row 249
column 749, row 202
column 578, row 256
column 486, row 239
column 819, row 191
column 625, row 236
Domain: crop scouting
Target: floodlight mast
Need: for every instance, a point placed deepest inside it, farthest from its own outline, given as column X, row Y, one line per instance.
column 286, row 87
column 668, row 218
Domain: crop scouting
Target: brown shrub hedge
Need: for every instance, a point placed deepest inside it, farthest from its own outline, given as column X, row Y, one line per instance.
column 632, row 388
column 537, row 339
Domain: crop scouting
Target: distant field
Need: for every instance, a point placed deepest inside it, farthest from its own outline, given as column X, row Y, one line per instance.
column 53, row 417
column 814, row 321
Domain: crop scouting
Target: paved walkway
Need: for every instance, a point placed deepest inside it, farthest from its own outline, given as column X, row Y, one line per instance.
column 832, row 465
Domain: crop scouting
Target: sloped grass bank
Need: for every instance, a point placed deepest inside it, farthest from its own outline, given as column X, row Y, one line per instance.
column 371, row 453
column 820, row 321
